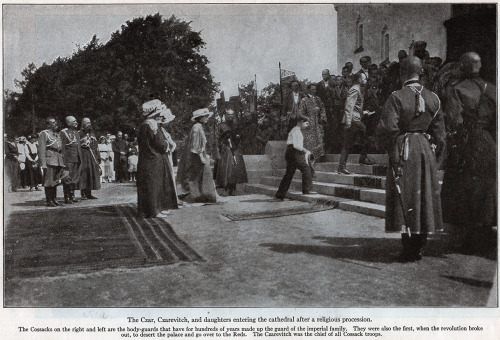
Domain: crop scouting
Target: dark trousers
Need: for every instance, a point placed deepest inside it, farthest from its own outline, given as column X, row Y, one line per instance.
column 121, row 170
column 295, row 160
column 349, row 138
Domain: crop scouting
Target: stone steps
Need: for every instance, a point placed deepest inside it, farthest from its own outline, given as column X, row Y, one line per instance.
column 361, row 180
column 346, row 204
column 333, row 189
column 362, row 191
column 376, row 169
column 354, row 158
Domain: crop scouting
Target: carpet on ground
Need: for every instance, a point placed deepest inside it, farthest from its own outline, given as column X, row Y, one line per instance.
column 59, row 241
column 315, row 206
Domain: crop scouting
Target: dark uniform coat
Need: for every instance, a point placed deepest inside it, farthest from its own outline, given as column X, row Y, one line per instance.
column 90, row 170
column 470, row 187
column 71, row 152
column 405, row 133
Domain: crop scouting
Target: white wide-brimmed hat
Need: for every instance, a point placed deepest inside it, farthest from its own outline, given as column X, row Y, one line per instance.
column 201, row 113
column 152, row 108
column 166, row 114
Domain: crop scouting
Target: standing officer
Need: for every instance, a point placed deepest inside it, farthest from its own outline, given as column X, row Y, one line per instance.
column 469, row 192
column 90, row 176
column 49, row 144
column 72, row 156
column 411, row 130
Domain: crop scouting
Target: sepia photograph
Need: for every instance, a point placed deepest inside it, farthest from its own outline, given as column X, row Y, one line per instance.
column 270, row 156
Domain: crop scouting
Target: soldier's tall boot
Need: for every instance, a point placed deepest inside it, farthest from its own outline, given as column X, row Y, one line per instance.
column 72, row 193
column 67, row 193
column 407, row 253
column 48, row 197
column 54, row 196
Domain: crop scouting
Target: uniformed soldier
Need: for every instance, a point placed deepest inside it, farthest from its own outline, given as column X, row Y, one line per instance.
column 72, row 156
column 411, row 130
column 469, row 192
column 90, row 170
column 49, row 145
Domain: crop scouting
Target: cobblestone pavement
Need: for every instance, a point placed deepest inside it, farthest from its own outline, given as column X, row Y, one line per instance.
column 331, row 258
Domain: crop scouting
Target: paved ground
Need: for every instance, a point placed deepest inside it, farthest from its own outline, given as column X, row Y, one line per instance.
column 331, row 259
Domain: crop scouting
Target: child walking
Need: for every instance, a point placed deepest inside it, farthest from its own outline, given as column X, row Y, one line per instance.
column 295, row 157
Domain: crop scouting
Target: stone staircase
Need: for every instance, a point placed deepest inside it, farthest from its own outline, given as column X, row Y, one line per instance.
column 363, row 191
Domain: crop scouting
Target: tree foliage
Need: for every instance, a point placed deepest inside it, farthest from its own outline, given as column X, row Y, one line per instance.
column 149, row 58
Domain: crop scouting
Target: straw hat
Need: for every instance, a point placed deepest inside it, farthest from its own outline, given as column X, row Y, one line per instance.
column 152, row 108
column 166, row 114
column 201, row 113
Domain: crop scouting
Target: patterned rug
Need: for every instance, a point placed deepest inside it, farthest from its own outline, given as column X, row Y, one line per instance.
column 270, row 213
column 59, row 241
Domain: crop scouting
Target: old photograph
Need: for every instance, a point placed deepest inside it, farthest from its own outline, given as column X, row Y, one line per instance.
column 250, row 156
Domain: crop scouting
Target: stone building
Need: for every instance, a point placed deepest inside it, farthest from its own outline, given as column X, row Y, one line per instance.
column 381, row 30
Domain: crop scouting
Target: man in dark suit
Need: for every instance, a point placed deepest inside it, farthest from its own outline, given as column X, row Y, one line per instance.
column 365, row 63
column 291, row 104
column 324, row 90
column 120, row 148
column 339, row 95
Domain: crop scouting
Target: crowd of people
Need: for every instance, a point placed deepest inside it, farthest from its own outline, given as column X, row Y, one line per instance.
column 86, row 162
column 77, row 160
column 388, row 107
column 391, row 108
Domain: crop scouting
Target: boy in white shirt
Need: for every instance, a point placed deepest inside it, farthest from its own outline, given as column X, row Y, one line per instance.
column 133, row 159
column 295, row 157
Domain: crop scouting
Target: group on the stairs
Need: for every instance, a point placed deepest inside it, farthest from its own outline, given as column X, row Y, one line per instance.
column 413, row 128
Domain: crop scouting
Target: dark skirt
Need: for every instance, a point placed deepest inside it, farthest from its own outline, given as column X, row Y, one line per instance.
column 12, row 171
column 229, row 169
column 155, row 186
column 89, row 172
column 420, row 190
column 35, row 173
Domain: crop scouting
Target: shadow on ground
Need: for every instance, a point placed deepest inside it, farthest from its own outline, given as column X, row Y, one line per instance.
column 470, row 282
column 374, row 250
